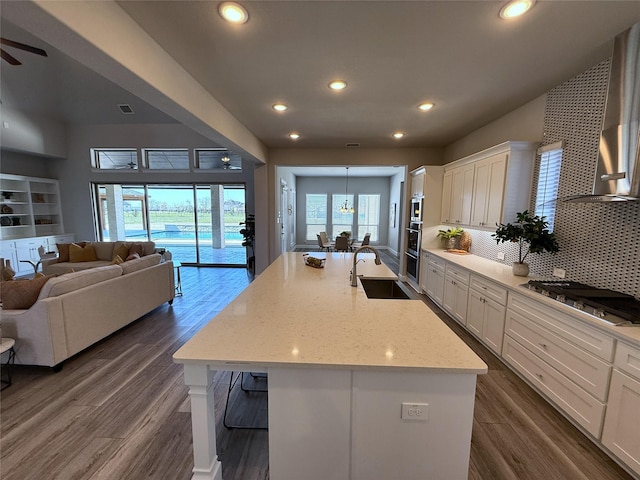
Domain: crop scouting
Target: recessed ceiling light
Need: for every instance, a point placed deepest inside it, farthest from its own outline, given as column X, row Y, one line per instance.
column 280, row 107
column 294, row 136
column 338, row 85
column 426, row 106
column 233, row 12
column 398, row 135
column 515, row 8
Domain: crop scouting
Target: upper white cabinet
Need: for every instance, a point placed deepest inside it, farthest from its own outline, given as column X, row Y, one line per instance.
column 457, row 194
column 488, row 187
column 29, row 207
column 417, row 183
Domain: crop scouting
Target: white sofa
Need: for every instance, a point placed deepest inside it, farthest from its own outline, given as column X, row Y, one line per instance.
column 76, row 310
column 104, row 256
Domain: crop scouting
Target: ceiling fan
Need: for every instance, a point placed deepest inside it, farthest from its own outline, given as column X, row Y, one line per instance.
column 226, row 162
column 21, row 46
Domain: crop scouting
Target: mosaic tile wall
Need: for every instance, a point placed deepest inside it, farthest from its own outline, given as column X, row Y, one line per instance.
column 599, row 242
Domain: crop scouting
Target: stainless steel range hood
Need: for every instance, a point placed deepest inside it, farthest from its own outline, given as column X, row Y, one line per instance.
column 617, row 176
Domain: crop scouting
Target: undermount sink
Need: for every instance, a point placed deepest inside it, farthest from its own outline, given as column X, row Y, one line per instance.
column 383, row 288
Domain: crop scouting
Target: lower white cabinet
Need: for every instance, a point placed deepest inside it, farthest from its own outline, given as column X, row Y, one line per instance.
column 574, row 401
column 24, row 250
column 424, row 271
column 456, row 291
column 435, row 279
column 621, row 431
column 486, row 314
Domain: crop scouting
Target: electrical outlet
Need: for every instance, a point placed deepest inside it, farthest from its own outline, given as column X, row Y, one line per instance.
column 559, row 272
column 500, row 255
column 415, row 412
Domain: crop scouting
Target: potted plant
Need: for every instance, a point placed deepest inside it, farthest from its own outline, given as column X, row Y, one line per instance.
column 531, row 233
column 449, row 236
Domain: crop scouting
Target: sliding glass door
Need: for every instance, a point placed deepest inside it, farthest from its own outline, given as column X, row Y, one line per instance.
column 199, row 224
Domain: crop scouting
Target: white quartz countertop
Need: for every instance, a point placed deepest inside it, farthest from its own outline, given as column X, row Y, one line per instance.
column 502, row 274
column 298, row 316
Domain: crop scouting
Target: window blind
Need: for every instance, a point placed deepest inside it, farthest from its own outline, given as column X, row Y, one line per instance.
column 548, row 182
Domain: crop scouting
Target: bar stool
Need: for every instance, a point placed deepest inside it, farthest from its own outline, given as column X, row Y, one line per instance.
column 6, row 345
column 232, row 383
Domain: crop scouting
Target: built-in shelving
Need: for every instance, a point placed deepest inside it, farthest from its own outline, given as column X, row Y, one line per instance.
column 29, row 207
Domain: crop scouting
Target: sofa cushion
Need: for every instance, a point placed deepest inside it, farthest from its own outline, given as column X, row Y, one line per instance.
column 73, row 281
column 147, row 248
column 140, row 263
column 21, row 294
column 117, row 260
column 104, row 250
column 121, row 249
column 78, row 253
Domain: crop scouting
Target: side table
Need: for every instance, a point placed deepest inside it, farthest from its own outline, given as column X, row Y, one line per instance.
column 6, row 345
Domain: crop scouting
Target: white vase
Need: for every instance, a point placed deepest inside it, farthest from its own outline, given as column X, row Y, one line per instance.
column 520, row 269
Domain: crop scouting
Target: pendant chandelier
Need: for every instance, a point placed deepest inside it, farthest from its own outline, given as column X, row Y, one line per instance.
column 345, row 207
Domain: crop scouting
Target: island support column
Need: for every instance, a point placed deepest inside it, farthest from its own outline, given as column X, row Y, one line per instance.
column 206, row 465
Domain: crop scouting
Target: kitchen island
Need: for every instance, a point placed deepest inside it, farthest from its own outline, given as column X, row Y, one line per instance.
column 358, row 388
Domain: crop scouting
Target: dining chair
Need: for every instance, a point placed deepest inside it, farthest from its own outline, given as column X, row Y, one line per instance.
column 342, row 244
column 323, row 244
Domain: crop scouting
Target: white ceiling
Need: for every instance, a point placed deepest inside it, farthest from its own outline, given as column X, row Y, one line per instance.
column 393, row 54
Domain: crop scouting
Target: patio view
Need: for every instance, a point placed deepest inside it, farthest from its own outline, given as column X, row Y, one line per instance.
column 199, row 224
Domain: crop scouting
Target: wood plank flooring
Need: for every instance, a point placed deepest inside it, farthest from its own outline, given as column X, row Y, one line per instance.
column 120, row 410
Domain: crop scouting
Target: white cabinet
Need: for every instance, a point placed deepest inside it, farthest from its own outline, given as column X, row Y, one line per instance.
column 456, row 291
column 456, row 198
column 29, row 207
column 435, row 279
column 417, row 183
column 486, row 312
column 488, row 187
column 565, row 359
column 424, row 271
column 621, row 431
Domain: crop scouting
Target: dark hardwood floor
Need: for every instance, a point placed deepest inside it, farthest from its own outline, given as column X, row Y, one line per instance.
column 120, row 410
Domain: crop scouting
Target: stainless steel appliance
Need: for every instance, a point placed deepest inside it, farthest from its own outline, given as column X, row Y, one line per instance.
column 416, row 209
column 414, row 240
column 617, row 176
column 612, row 307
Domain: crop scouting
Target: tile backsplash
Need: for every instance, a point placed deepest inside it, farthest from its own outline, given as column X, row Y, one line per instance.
column 599, row 242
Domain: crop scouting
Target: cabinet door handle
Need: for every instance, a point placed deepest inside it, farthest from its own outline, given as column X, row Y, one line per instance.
column 539, row 375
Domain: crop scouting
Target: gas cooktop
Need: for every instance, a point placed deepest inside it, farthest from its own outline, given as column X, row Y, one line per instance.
column 607, row 305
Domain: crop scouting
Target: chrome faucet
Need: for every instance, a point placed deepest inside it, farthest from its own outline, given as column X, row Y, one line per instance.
column 354, row 275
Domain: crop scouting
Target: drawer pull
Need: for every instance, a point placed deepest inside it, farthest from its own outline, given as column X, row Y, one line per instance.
column 539, row 375
column 543, row 345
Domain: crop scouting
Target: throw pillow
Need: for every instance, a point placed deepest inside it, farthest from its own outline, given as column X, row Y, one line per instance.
column 63, row 252
column 82, row 254
column 133, row 256
column 121, row 250
column 136, row 248
column 117, row 260
column 21, row 294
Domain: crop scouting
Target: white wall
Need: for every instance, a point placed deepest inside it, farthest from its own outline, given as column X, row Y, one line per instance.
column 32, row 134
column 523, row 124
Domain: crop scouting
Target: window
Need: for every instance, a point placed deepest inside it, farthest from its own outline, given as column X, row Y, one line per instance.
column 115, row 159
column 174, row 159
column 316, row 215
column 548, row 182
column 217, row 159
column 368, row 216
column 341, row 221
